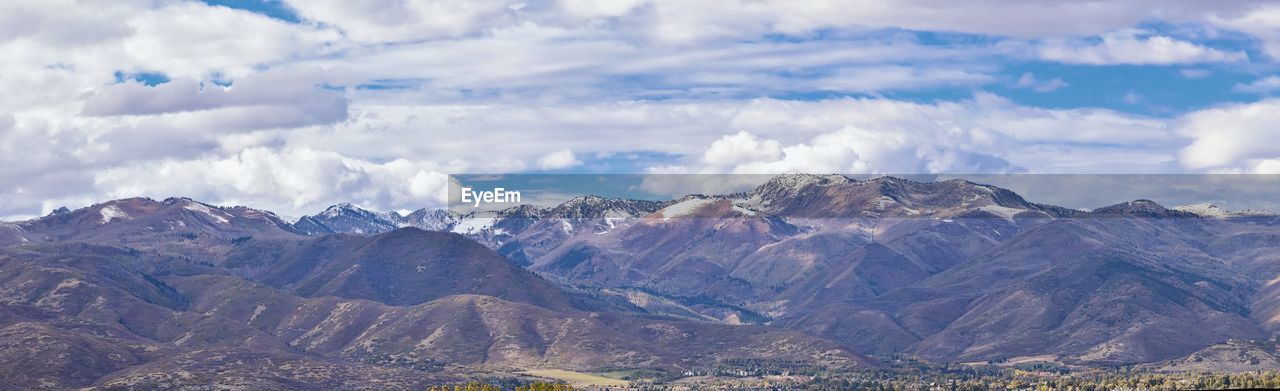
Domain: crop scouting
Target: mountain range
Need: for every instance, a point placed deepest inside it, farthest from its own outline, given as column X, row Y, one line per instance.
column 822, row 269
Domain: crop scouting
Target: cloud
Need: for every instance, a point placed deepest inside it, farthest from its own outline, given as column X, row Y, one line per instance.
column 403, row 20
column 851, row 150
column 1231, row 136
column 599, row 9
column 1028, row 80
column 289, row 180
column 298, row 171
column 1261, row 86
column 741, row 147
column 1266, row 167
column 371, row 102
column 887, row 78
column 534, row 61
column 1262, row 22
column 63, row 23
column 189, row 39
column 826, row 154
column 985, row 133
column 62, row 51
column 1134, row 48
column 684, row 22
column 563, row 158
column 280, row 98
column 515, row 132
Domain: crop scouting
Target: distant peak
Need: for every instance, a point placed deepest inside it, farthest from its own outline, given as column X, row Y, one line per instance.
column 794, row 180
column 1201, row 205
column 588, row 197
column 787, row 185
column 130, row 200
column 175, row 200
column 1140, row 208
column 346, row 217
column 1206, row 209
column 111, row 212
column 342, row 207
column 585, row 200
column 1135, row 205
column 889, row 178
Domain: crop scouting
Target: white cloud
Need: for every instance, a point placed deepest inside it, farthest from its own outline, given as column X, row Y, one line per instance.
column 854, row 150
column 61, row 51
column 404, row 20
column 563, row 158
column 1135, row 47
column 189, row 39
column 524, row 60
column 889, row 135
column 1261, row 86
column 189, row 112
column 741, row 147
column 886, row 78
column 178, row 38
column 1262, row 22
column 986, row 134
column 597, row 9
column 1267, row 167
column 64, row 23
column 988, row 117
column 374, row 102
column 300, row 171
column 1231, row 135
column 684, row 22
column 826, row 154
column 283, row 89
column 1028, row 80
column 288, row 181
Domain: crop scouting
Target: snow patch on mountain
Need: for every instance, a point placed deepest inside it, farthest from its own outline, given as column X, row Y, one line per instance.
column 684, row 207
column 788, row 186
column 207, row 211
column 744, row 211
column 610, row 225
column 473, row 225
column 1003, row 211
column 1204, row 210
column 1214, row 211
column 112, row 212
column 429, row 219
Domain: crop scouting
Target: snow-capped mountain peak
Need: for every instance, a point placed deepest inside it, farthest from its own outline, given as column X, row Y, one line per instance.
column 1215, row 211
column 348, row 218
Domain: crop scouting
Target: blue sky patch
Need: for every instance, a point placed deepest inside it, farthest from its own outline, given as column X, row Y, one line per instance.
column 271, row 8
column 151, row 79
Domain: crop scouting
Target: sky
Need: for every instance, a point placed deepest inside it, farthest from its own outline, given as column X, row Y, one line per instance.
column 294, row 105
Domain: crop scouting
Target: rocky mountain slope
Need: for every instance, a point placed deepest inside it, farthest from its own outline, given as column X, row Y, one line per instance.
column 952, row 271
column 402, row 267
column 139, row 293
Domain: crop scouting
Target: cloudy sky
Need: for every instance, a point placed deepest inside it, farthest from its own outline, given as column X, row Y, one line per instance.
column 293, row 105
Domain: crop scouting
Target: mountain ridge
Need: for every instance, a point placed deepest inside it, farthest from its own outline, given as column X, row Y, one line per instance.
column 811, row 268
